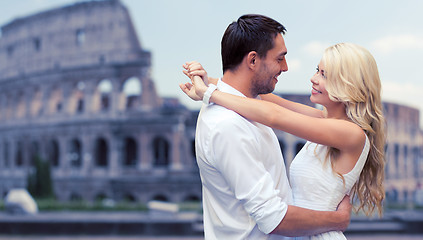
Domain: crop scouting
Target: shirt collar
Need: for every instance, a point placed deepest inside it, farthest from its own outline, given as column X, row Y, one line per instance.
column 224, row 87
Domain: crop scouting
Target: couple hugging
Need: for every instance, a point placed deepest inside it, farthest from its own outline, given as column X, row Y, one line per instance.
column 246, row 193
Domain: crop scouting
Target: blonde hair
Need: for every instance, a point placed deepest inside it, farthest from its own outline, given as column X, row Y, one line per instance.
column 353, row 79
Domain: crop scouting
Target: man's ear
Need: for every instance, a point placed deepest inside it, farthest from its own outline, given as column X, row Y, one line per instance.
column 252, row 59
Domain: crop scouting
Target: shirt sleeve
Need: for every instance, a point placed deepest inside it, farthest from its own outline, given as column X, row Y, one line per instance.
column 237, row 156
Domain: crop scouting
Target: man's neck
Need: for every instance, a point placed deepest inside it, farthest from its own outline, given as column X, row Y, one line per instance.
column 239, row 81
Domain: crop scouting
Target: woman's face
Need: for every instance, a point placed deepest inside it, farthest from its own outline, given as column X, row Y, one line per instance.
column 319, row 94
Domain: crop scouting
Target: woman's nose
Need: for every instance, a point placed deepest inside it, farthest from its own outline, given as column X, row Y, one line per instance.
column 314, row 79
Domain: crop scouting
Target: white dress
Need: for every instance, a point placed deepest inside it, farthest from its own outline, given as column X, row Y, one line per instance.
column 315, row 186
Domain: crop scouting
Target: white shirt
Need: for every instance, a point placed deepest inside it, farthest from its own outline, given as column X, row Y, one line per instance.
column 245, row 188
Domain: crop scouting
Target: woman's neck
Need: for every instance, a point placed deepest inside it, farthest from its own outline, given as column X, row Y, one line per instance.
column 337, row 111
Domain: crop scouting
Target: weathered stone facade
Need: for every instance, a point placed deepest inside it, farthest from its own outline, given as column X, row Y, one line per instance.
column 404, row 151
column 76, row 90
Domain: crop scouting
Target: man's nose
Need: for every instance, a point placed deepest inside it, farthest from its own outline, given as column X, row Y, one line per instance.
column 284, row 65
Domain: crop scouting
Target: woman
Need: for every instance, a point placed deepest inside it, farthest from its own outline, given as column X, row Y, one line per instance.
column 344, row 153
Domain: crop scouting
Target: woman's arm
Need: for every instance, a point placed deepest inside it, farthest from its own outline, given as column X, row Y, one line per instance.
column 340, row 134
column 196, row 69
column 293, row 106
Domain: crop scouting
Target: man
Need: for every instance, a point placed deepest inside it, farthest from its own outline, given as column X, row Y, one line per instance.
column 246, row 193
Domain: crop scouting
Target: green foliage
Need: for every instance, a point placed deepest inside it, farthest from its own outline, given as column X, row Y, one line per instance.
column 54, row 205
column 39, row 182
column 191, row 206
column 50, row 204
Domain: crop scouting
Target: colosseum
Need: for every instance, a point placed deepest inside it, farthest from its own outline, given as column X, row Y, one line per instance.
column 76, row 91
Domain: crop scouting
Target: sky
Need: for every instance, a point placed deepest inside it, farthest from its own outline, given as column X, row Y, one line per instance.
column 179, row 31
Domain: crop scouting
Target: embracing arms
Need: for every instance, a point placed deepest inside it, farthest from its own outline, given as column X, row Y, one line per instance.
column 293, row 106
column 245, row 174
column 305, row 222
column 297, row 221
column 303, row 122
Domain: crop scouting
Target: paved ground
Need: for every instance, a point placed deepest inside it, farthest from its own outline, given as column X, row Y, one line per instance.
column 354, row 237
column 385, row 237
column 356, row 226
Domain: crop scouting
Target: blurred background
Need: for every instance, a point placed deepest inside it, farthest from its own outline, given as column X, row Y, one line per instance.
column 96, row 138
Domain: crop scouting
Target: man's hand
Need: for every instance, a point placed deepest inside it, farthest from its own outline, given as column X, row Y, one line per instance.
column 344, row 209
column 189, row 90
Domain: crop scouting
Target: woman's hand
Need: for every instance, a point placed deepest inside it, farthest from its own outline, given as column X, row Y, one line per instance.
column 198, row 77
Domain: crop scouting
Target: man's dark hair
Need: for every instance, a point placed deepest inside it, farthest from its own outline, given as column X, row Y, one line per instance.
column 251, row 32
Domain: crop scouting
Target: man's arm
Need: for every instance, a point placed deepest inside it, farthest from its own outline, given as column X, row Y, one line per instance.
column 305, row 222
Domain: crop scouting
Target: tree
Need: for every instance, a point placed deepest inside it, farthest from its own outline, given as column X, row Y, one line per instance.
column 39, row 182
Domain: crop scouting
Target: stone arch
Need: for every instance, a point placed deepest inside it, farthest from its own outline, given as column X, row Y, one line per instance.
column 34, row 152
column 6, row 154
column 80, row 37
column 129, row 197
column 405, row 195
column 53, row 153
column 75, row 197
column 415, row 161
column 9, row 106
column 192, row 198
column 130, row 152
column 161, row 197
column 20, row 105
column 396, row 159
column 405, row 159
column 75, row 153
column 76, row 100
column 103, row 96
column 100, row 196
column 392, row 195
column 19, row 158
column 37, row 102
column 101, row 153
column 418, row 196
column 131, row 92
column 161, row 150
column 56, row 100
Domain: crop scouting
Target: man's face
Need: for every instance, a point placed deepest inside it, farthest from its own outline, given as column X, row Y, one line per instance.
column 270, row 68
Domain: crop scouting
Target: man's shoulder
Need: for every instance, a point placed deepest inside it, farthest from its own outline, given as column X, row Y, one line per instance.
column 221, row 115
column 216, row 120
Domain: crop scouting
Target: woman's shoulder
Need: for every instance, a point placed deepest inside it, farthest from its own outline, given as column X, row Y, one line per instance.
column 356, row 137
